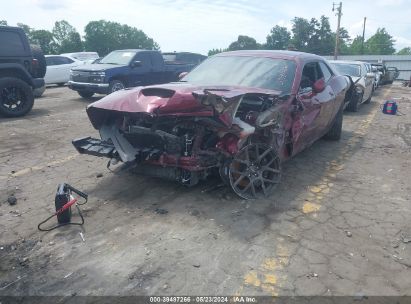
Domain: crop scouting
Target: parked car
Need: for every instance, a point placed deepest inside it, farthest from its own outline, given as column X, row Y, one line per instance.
column 58, row 69
column 240, row 113
column 363, row 80
column 21, row 71
column 123, row 69
column 392, row 74
column 87, row 57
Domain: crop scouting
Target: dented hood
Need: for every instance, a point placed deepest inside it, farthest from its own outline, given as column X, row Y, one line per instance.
column 179, row 99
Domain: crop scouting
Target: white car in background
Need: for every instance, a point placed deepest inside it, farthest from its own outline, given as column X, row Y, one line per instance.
column 58, row 68
column 363, row 80
column 87, row 57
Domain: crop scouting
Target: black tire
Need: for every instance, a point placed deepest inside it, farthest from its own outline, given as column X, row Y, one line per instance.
column 85, row 94
column 61, row 84
column 40, row 70
column 354, row 103
column 115, row 85
column 335, row 132
column 16, row 97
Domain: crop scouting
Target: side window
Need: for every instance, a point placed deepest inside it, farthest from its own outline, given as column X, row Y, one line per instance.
column 145, row 59
column 326, row 71
column 66, row 60
column 14, row 45
column 311, row 73
column 50, row 61
column 59, row 60
column 157, row 61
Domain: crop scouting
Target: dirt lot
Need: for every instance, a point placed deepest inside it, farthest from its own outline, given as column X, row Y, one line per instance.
column 339, row 223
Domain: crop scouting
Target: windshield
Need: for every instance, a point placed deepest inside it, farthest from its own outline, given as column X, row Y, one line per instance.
column 353, row 70
column 257, row 72
column 118, row 57
column 84, row 57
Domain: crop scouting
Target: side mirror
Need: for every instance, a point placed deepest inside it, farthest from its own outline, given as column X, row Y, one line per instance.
column 182, row 75
column 370, row 75
column 136, row 63
column 319, row 86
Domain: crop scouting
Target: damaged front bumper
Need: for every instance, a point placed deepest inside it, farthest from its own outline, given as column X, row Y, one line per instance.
column 94, row 146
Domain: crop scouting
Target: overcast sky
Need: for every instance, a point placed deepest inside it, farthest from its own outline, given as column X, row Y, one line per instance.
column 200, row 25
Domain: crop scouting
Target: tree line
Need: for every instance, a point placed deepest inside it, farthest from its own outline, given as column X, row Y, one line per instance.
column 100, row 36
column 315, row 36
column 312, row 36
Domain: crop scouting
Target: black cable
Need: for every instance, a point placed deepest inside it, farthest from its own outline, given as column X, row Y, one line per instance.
column 63, row 224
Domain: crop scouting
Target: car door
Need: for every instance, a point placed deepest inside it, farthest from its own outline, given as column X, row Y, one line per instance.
column 58, row 69
column 315, row 105
column 51, row 72
column 141, row 74
column 368, row 82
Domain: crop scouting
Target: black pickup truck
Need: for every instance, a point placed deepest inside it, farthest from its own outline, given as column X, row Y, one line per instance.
column 122, row 69
column 22, row 68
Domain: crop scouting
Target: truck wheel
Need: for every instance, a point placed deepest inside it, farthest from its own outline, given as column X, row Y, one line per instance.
column 16, row 97
column 41, row 68
column 115, row 85
column 335, row 132
column 85, row 94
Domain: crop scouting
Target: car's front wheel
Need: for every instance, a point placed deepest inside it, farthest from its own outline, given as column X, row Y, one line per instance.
column 335, row 132
column 16, row 97
column 115, row 85
column 85, row 94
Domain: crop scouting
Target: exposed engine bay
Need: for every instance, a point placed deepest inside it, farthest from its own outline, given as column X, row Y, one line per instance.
column 238, row 140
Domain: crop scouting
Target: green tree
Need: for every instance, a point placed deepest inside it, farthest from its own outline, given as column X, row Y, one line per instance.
column 356, row 47
column 345, row 41
column 66, row 37
column 302, row 30
column 278, row 39
column 216, row 51
column 405, row 51
column 324, row 45
column 44, row 39
column 27, row 29
column 105, row 36
column 3, row 22
column 381, row 43
column 244, row 43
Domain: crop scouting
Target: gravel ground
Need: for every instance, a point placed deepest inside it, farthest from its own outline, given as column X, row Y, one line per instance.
column 338, row 224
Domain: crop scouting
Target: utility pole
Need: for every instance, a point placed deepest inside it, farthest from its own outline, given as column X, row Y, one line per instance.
column 363, row 37
column 337, row 36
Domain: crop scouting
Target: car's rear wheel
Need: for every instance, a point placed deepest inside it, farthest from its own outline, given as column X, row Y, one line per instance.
column 335, row 132
column 61, row 84
column 16, row 97
column 254, row 171
column 115, row 85
column 85, row 94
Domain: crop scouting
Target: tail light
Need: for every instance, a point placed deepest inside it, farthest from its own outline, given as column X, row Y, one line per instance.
column 34, row 63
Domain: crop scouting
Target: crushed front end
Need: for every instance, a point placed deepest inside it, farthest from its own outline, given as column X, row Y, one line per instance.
column 186, row 134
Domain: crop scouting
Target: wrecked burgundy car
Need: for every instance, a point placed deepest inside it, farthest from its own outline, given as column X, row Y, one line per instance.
column 240, row 114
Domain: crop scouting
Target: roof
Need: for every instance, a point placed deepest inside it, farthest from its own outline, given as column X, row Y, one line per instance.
column 272, row 54
column 346, row 61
